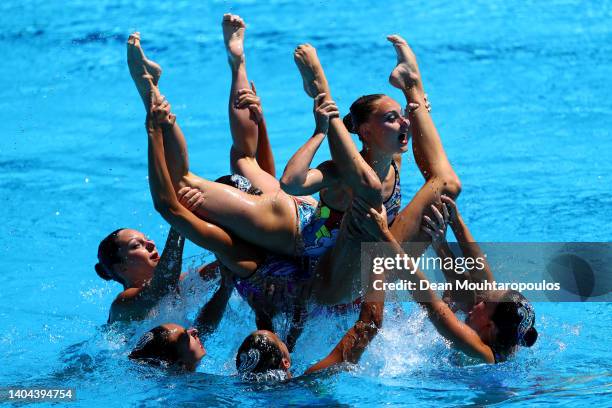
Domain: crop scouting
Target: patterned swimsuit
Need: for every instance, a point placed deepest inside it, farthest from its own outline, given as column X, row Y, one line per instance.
column 321, row 230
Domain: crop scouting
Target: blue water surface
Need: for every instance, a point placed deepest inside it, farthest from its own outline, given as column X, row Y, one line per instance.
column 522, row 98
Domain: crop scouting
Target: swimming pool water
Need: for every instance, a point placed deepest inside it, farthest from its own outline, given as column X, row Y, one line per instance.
column 521, row 96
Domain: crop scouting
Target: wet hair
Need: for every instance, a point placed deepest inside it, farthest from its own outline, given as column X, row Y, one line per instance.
column 360, row 112
column 108, row 255
column 514, row 318
column 154, row 348
column 258, row 354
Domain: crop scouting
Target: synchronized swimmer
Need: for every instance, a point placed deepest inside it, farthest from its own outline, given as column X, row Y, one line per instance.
column 282, row 249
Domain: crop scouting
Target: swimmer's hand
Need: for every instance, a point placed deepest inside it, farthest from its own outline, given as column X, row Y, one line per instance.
column 436, row 229
column 427, row 104
column 160, row 114
column 248, row 99
column 190, row 198
column 323, row 112
column 451, row 206
column 371, row 222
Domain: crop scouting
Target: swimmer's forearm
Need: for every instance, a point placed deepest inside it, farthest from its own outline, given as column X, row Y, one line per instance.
column 450, row 275
column 211, row 314
column 168, row 270
column 471, row 249
column 463, row 299
column 349, row 349
column 296, row 172
column 393, row 248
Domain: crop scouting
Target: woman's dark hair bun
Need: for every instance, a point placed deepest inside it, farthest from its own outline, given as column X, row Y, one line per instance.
column 108, row 255
column 102, row 272
column 360, row 112
column 348, row 123
column 530, row 337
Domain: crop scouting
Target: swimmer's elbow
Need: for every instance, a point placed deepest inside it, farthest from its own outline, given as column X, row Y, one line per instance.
column 291, row 185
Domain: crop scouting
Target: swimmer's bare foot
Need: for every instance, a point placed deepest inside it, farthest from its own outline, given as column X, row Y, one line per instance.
column 233, row 36
column 308, row 63
column 145, row 73
column 405, row 75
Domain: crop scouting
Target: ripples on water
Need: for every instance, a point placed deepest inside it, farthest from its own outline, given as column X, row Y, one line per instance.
column 521, row 97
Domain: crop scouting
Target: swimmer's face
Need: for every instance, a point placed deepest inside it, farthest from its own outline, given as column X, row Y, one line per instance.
column 188, row 345
column 479, row 318
column 138, row 255
column 387, row 129
column 286, row 360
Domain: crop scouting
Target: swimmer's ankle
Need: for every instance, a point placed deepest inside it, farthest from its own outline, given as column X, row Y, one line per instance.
column 413, row 94
column 237, row 63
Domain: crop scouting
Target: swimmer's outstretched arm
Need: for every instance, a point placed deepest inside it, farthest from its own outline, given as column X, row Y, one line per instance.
column 210, row 315
column 470, row 249
column 354, row 169
column 436, row 228
column 442, row 317
column 298, row 178
column 467, row 243
column 357, row 338
column 168, row 270
column 240, row 258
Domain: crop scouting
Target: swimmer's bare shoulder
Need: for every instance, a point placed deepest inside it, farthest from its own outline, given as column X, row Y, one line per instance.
column 126, row 306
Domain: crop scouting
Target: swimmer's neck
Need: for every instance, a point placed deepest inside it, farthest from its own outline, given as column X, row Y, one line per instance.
column 137, row 283
column 380, row 162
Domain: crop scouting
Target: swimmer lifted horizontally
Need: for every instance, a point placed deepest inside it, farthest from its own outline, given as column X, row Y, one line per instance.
column 250, row 148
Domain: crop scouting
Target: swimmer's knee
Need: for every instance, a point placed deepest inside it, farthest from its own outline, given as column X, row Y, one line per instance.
column 451, row 186
column 189, row 180
column 370, row 188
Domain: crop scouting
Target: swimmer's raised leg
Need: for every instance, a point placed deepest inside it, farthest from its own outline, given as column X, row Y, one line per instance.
column 146, row 74
column 356, row 172
column 243, row 123
column 141, row 67
column 339, row 269
column 427, row 145
column 406, row 74
column 427, row 148
column 313, row 76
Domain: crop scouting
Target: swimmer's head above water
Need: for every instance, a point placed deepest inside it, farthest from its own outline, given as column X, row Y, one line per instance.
column 263, row 356
column 170, row 345
column 127, row 256
column 504, row 321
column 380, row 122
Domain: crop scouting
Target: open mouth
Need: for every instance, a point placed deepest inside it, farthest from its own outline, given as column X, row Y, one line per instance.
column 403, row 138
column 154, row 256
